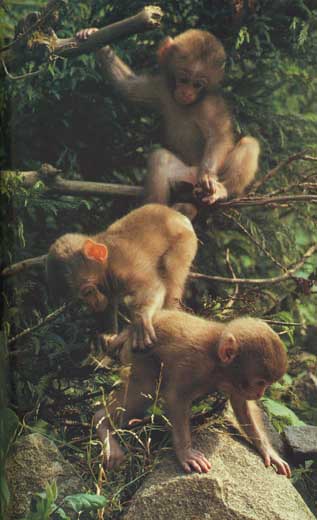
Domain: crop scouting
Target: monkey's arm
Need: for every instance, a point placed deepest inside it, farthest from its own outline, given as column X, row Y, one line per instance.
column 178, row 407
column 140, row 89
column 249, row 418
column 216, row 128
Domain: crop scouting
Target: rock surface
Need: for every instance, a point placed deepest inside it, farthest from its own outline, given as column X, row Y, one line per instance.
column 302, row 441
column 33, row 462
column 238, row 487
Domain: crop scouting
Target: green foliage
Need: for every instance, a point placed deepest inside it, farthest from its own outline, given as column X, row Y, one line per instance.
column 85, row 502
column 68, row 116
column 8, row 427
column 43, row 505
column 280, row 414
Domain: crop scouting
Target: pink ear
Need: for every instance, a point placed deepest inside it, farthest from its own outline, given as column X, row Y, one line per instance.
column 164, row 49
column 227, row 348
column 95, row 251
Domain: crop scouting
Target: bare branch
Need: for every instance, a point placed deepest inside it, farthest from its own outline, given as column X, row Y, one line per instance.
column 267, row 201
column 259, row 281
column 55, row 184
column 149, row 18
column 19, row 267
column 300, row 155
column 38, row 41
column 43, row 321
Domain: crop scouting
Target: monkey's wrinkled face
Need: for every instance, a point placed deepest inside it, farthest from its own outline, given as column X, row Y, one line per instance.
column 189, row 87
column 254, row 389
column 93, row 297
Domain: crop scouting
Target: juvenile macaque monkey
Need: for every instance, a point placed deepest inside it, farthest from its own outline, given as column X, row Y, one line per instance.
column 195, row 357
column 143, row 259
column 198, row 135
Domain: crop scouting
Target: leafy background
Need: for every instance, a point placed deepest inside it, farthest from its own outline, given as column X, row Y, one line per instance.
column 68, row 116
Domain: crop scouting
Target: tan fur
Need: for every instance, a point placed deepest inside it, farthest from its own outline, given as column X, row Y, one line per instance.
column 198, row 136
column 150, row 251
column 193, row 357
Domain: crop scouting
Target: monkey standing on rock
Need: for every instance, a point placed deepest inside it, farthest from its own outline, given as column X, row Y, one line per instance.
column 142, row 259
column 198, row 135
column 193, row 357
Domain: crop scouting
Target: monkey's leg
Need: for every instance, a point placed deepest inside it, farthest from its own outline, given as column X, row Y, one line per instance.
column 178, row 407
column 240, row 166
column 177, row 261
column 128, row 402
column 164, row 171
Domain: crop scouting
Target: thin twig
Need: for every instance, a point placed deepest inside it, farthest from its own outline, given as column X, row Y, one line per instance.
column 42, row 321
column 266, row 201
column 255, row 241
column 297, row 156
column 21, row 76
column 233, row 297
column 259, row 281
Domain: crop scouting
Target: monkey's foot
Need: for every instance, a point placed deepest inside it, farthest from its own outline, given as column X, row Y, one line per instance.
column 113, row 456
column 217, row 192
column 194, row 460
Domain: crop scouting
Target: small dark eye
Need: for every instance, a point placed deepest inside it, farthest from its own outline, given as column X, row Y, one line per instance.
column 89, row 291
column 183, row 81
column 198, row 85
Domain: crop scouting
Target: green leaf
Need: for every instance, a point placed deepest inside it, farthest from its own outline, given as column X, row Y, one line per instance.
column 9, row 423
column 279, row 410
column 85, row 502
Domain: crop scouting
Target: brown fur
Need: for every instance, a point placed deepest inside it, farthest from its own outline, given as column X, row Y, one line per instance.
column 198, row 135
column 150, row 251
column 195, row 357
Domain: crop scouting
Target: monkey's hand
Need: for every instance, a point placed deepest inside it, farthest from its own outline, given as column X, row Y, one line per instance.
column 143, row 333
column 209, row 189
column 83, row 34
column 193, row 460
column 272, row 458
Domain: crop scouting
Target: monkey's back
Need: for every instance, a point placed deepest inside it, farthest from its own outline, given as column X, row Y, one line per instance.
column 183, row 347
column 150, row 229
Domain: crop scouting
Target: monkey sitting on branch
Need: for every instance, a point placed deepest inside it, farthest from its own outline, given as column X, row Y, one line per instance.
column 142, row 259
column 191, row 358
column 198, row 135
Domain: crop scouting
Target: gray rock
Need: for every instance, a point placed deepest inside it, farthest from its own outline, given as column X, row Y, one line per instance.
column 33, row 462
column 238, row 487
column 302, row 441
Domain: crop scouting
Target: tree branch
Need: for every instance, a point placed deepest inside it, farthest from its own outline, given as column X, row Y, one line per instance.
column 149, row 18
column 19, row 267
column 37, row 40
column 42, row 321
column 300, row 155
column 259, row 281
column 54, row 183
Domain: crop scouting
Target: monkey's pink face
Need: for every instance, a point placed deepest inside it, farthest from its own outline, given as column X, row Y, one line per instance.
column 94, row 298
column 255, row 389
column 188, row 89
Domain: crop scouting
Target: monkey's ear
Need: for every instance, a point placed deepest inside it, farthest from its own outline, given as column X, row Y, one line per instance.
column 164, row 49
column 228, row 348
column 95, row 251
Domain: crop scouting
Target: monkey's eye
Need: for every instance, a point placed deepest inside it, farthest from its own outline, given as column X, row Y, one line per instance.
column 88, row 291
column 198, row 85
column 183, row 80
column 260, row 383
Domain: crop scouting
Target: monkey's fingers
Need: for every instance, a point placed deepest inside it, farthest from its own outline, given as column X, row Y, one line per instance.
column 83, row 34
column 196, row 461
column 281, row 466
